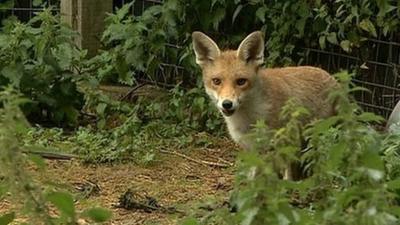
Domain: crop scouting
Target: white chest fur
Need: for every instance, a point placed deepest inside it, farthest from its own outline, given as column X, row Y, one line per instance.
column 239, row 125
column 242, row 121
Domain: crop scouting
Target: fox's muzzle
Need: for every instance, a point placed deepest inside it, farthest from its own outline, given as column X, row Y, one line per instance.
column 227, row 104
column 228, row 107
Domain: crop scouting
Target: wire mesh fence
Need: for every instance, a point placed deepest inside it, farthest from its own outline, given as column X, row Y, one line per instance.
column 377, row 62
column 168, row 71
column 376, row 65
column 24, row 10
column 138, row 6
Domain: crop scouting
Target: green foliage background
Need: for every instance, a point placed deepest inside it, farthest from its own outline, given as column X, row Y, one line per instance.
column 354, row 169
column 38, row 59
column 289, row 26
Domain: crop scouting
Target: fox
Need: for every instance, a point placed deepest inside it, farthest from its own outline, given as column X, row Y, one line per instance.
column 245, row 92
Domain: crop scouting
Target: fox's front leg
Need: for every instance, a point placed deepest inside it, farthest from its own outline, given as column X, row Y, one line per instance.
column 287, row 173
column 293, row 171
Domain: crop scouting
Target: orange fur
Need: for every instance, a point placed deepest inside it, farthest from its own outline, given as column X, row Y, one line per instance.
column 265, row 91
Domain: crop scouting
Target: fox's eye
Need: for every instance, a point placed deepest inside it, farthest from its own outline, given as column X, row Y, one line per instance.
column 241, row 81
column 216, row 81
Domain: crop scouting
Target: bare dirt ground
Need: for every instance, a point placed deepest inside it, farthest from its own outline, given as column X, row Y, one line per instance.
column 172, row 180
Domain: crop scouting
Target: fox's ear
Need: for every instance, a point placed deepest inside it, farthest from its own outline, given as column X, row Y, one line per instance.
column 206, row 50
column 252, row 48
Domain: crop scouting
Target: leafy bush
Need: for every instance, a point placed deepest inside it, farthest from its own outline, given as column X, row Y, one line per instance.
column 174, row 120
column 353, row 169
column 139, row 44
column 139, row 48
column 40, row 60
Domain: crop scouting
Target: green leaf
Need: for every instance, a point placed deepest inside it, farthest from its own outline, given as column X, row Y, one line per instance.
column 7, row 4
column 3, row 39
column 386, row 30
column 332, row 38
column 3, row 189
column 190, row 221
column 218, row 17
column 336, row 155
column 249, row 216
column 37, row 2
column 100, row 108
column 213, row 3
column 124, row 75
column 384, row 7
column 38, row 161
column 322, row 41
column 98, row 214
column 71, row 114
column 393, row 184
column 101, row 123
column 370, row 117
column 171, row 4
column 261, row 13
column 47, row 99
column 345, row 45
column 121, row 13
column 368, row 26
column 7, row 218
column 64, row 54
column 395, row 210
column 300, row 25
column 13, row 72
column 324, row 125
column 354, row 89
column 372, row 160
column 134, row 57
column 236, row 13
column 64, row 202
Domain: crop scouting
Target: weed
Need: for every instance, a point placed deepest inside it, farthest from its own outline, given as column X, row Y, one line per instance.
column 353, row 179
column 39, row 59
column 33, row 197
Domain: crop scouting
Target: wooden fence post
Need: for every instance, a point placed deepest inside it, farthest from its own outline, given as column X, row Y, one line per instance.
column 86, row 17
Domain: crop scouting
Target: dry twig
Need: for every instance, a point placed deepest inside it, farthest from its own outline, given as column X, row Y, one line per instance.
column 131, row 91
column 199, row 161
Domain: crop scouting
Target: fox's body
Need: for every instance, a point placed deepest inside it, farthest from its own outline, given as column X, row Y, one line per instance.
column 274, row 87
column 245, row 92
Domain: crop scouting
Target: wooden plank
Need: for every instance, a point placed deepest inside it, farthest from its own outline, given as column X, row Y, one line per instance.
column 68, row 11
column 86, row 17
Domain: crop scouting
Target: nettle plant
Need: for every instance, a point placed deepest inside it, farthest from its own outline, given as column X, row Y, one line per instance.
column 175, row 118
column 137, row 49
column 352, row 171
column 145, row 41
column 40, row 60
column 31, row 198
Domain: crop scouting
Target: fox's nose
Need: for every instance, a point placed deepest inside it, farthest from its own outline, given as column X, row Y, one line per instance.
column 227, row 104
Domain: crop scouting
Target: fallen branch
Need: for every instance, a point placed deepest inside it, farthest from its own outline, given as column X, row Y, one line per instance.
column 131, row 92
column 53, row 155
column 208, row 163
column 222, row 160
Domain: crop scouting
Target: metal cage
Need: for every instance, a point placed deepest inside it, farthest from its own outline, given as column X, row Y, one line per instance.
column 138, row 6
column 376, row 65
column 24, row 10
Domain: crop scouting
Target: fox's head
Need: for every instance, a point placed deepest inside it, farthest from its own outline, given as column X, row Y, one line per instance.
column 229, row 75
